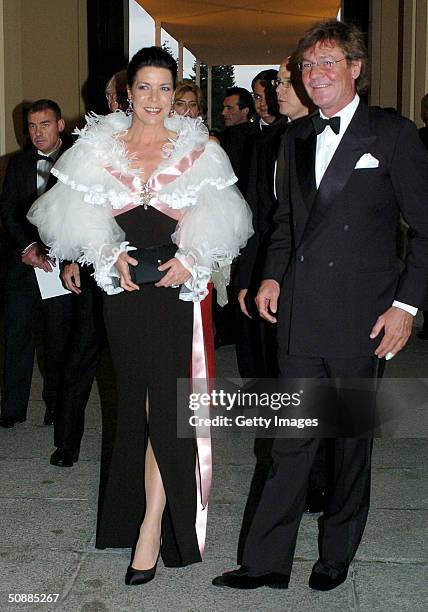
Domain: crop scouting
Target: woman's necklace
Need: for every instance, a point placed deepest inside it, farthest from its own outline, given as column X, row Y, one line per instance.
column 146, row 193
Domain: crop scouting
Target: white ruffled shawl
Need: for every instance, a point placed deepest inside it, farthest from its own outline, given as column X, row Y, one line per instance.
column 75, row 219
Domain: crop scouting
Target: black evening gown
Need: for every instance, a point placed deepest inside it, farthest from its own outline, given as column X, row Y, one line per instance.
column 150, row 336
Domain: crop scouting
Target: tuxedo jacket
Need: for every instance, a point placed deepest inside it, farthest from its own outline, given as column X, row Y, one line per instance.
column 334, row 248
column 238, row 141
column 263, row 203
column 19, row 193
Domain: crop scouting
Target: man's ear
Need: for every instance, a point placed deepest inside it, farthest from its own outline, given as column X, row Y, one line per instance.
column 61, row 124
column 356, row 69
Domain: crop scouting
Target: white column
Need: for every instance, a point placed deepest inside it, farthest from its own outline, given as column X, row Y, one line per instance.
column 198, row 72
column 421, row 60
column 383, row 52
column 415, row 63
column 158, row 34
column 209, row 96
column 180, row 61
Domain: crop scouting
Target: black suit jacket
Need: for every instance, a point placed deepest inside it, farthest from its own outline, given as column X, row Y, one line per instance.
column 334, row 249
column 238, row 142
column 19, row 193
column 263, row 203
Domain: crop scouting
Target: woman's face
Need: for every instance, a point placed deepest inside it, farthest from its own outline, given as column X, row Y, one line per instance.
column 187, row 105
column 151, row 94
column 260, row 103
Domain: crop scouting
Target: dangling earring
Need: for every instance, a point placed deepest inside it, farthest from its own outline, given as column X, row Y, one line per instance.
column 130, row 108
column 172, row 111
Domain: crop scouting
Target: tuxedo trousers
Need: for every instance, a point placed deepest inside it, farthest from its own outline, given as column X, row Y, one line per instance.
column 80, row 364
column 22, row 304
column 272, row 537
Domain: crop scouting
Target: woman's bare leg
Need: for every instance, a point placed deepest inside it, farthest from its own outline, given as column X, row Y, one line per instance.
column 147, row 549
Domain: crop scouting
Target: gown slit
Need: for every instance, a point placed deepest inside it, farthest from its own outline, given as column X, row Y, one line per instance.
column 150, row 336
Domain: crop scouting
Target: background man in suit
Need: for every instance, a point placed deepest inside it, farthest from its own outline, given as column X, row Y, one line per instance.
column 423, row 134
column 259, row 353
column 27, row 177
column 344, row 305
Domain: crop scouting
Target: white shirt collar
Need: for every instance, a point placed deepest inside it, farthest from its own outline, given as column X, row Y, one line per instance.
column 345, row 114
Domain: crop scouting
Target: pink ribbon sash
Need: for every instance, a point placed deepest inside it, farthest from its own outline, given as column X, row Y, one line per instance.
column 203, row 459
column 200, row 374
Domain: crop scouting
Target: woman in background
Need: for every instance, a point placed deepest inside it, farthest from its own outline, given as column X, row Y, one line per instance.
column 189, row 101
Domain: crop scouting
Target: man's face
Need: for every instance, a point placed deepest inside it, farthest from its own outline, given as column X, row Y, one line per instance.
column 232, row 114
column 330, row 88
column 289, row 102
column 260, row 103
column 44, row 130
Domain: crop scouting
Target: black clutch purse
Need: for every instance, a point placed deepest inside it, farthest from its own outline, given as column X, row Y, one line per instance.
column 149, row 259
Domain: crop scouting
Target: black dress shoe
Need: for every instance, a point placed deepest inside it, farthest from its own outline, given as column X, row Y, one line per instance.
column 135, row 576
column 315, row 501
column 48, row 419
column 324, row 582
column 64, row 458
column 8, row 422
column 239, row 579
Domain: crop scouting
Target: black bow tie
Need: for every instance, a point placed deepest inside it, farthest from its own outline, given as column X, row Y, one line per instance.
column 45, row 158
column 320, row 124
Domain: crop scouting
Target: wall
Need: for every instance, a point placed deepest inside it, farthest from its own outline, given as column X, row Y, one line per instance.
column 43, row 54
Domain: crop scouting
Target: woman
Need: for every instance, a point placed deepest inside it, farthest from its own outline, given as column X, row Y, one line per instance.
column 189, row 100
column 124, row 185
column 265, row 99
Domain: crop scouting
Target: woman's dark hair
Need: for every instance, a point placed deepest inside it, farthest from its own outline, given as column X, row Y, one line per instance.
column 151, row 56
column 265, row 78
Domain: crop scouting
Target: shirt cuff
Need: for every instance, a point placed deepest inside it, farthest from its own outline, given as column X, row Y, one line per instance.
column 27, row 248
column 410, row 309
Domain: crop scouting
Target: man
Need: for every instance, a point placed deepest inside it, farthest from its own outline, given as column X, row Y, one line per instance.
column 116, row 92
column 423, row 134
column 237, row 139
column 238, row 106
column 344, row 306
column 257, row 356
column 27, row 177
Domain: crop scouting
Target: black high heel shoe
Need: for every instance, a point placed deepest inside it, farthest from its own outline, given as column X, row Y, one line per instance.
column 135, row 576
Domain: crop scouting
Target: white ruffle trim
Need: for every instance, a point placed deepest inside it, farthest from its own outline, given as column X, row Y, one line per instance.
column 96, row 194
column 190, row 197
column 106, row 274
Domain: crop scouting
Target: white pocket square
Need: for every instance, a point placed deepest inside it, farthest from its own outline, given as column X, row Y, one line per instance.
column 367, row 161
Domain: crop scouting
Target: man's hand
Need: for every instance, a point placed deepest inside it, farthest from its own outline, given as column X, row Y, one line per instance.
column 70, row 276
column 241, row 299
column 267, row 299
column 397, row 324
column 36, row 257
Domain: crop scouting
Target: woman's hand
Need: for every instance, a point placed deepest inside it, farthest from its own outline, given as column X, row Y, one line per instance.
column 176, row 275
column 122, row 266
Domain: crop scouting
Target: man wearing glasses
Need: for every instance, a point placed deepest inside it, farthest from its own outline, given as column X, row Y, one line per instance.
column 345, row 307
column 257, row 355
